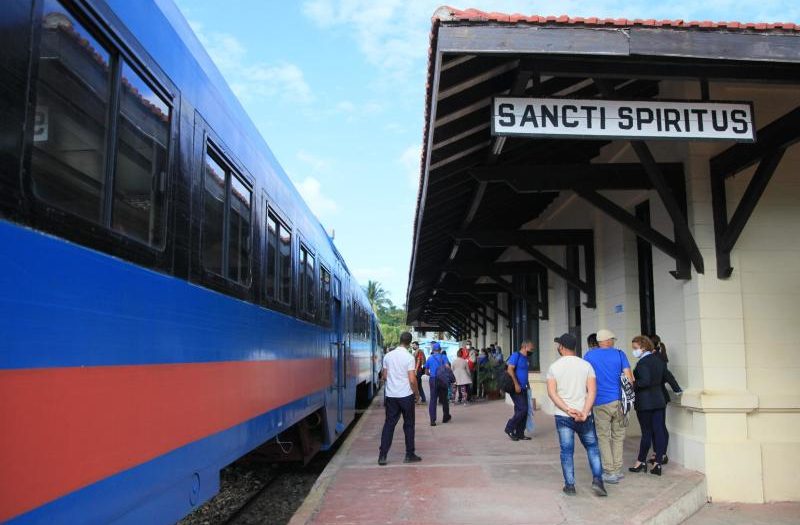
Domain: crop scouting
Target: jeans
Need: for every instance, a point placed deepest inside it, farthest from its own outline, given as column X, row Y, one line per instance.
column 653, row 432
column 567, row 428
column 438, row 393
column 394, row 407
column 516, row 425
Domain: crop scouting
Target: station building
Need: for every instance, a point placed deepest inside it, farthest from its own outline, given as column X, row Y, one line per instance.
column 537, row 217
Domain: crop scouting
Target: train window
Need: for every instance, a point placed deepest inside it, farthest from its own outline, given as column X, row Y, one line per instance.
column 141, row 170
column 226, row 250
column 213, row 215
column 310, row 288
column 307, row 293
column 285, row 265
column 272, row 256
column 325, row 298
column 279, row 261
column 119, row 184
column 239, row 232
column 73, row 89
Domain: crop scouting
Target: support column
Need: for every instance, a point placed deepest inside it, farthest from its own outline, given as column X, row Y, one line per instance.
column 715, row 433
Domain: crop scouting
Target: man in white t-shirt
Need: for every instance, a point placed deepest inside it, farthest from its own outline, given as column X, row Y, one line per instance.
column 401, row 394
column 572, row 386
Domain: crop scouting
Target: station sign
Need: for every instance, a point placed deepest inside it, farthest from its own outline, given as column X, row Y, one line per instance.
column 622, row 119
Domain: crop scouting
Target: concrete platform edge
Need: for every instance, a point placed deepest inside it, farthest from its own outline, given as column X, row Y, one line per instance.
column 311, row 504
column 678, row 510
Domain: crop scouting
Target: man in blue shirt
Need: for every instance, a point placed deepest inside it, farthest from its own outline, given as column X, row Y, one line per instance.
column 437, row 391
column 518, row 370
column 608, row 363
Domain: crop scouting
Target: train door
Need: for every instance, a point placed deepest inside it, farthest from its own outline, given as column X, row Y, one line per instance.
column 339, row 344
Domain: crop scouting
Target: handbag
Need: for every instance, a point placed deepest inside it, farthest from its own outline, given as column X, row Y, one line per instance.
column 628, row 395
column 506, row 383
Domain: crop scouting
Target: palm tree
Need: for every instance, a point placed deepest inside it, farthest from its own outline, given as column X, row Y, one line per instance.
column 376, row 296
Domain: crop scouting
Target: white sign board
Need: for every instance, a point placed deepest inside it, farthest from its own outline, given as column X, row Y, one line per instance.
column 622, row 119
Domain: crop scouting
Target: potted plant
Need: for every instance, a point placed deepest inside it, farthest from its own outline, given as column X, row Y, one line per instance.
column 488, row 379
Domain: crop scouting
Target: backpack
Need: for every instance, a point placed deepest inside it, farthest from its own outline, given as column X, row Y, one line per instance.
column 444, row 374
column 627, row 394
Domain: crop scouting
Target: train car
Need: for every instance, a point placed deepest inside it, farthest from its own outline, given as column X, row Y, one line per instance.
column 168, row 302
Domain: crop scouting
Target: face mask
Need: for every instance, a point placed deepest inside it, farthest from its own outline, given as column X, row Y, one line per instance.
column 637, row 353
column 467, row 346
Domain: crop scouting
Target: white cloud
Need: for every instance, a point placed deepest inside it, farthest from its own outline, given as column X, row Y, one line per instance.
column 283, row 81
column 393, row 34
column 315, row 162
column 410, row 160
column 311, row 191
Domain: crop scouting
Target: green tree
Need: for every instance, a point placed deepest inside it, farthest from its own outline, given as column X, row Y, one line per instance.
column 392, row 319
column 377, row 297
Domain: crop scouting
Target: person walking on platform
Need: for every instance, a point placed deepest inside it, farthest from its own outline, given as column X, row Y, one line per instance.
column 650, row 404
column 401, row 392
column 609, row 364
column 572, row 387
column 518, row 370
column 438, row 390
column 419, row 364
column 463, row 380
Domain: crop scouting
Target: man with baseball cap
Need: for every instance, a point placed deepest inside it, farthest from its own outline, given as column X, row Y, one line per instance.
column 572, row 387
column 609, row 363
column 438, row 390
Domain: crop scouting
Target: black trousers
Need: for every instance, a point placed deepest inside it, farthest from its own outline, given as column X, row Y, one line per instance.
column 654, row 432
column 394, row 407
column 420, row 375
column 516, row 425
column 438, row 392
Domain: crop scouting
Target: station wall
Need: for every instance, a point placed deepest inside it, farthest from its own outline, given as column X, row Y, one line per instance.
column 730, row 342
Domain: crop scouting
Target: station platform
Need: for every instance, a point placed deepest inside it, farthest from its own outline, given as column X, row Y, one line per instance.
column 472, row 473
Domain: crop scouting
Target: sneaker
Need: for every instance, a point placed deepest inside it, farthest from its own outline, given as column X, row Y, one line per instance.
column 412, row 458
column 382, row 459
column 512, row 436
column 447, row 418
column 523, row 437
column 433, row 423
column 610, row 478
column 598, row 488
column 620, row 475
column 569, row 490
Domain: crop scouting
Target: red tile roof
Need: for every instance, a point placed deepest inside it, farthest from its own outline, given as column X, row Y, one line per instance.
column 450, row 14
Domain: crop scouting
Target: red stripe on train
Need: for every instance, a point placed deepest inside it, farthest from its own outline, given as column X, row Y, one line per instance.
column 65, row 428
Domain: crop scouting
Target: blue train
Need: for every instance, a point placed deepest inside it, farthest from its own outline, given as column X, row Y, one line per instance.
column 168, row 302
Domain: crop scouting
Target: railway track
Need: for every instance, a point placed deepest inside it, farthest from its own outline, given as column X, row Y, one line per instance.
column 250, row 504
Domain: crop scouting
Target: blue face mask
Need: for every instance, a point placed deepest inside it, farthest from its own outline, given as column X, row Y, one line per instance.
column 637, row 353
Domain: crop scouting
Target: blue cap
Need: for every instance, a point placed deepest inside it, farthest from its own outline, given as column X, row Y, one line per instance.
column 436, row 346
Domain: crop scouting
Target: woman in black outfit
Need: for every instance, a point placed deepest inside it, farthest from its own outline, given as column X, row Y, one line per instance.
column 660, row 349
column 649, row 404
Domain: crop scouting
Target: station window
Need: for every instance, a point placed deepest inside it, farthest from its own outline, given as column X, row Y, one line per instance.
column 307, row 288
column 279, row 261
column 325, row 297
column 74, row 165
column 226, row 221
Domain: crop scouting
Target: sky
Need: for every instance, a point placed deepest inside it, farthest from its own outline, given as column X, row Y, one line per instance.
column 337, row 89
